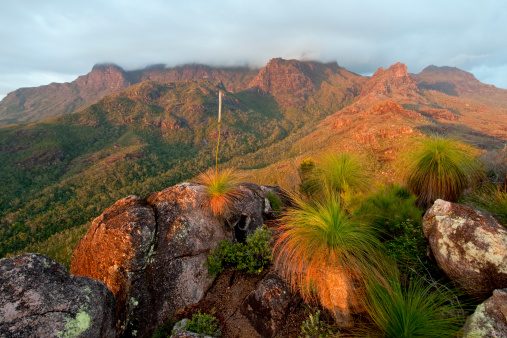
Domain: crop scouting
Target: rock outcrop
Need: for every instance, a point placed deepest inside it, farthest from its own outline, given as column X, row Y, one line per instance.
column 150, row 253
column 489, row 318
column 267, row 306
column 38, row 298
column 393, row 81
column 116, row 250
column 286, row 80
column 470, row 246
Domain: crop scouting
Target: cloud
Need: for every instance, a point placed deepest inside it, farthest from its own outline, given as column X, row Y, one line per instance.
column 63, row 39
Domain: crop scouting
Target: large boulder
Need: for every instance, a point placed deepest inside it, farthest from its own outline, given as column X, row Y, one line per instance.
column 116, row 250
column 489, row 318
column 151, row 252
column 470, row 246
column 38, row 298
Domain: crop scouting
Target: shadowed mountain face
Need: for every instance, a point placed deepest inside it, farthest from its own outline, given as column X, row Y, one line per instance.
column 113, row 133
column 34, row 104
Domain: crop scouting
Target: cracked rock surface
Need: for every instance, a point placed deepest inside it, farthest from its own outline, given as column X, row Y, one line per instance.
column 38, row 298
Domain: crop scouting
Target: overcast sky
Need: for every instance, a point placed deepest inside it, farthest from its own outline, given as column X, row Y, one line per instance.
column 44, row 41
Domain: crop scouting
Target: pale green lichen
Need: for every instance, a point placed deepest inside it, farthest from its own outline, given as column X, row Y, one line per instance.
column 87, row 291
column 76, row 326
column 496, row 248
column 479, row 325
column 182, row 232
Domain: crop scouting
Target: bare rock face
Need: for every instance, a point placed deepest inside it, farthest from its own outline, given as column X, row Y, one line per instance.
column 471, row 247
column 151, row 253
column 489, row 318
column 38, row 298
column 286, row 80
column 116, row 250
column 393, row 81
column 267, row 306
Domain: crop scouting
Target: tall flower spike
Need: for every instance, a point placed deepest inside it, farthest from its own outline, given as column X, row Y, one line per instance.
column 218, row 139
column 219, row 106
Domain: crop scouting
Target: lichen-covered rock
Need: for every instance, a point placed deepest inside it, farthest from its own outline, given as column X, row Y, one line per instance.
column 38, row 298
column 470, row 246
column 116, row 250
column 489, row 318
column 267, row 306
column 151, row 253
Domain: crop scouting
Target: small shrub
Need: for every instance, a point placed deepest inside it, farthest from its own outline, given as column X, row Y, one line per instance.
column 252, row 256
column 388, row 209
column 314, row 327
column 275, row 201
column 204, row 323
column 393, row 212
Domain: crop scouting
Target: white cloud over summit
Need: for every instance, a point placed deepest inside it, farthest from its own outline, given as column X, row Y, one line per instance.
column 58, row 40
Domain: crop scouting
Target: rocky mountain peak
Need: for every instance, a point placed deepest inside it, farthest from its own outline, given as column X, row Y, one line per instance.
column 107, row 67
column 287, row 80
column 451, row 81
column 108, row 77
column 278, row 73
column 393, row 81
column 448, row 72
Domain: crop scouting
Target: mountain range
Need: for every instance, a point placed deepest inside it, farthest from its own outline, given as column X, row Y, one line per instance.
column 69, row 150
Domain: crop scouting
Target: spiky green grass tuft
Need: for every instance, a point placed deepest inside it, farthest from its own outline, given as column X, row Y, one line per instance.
column 417, row 310
column 341, row 172
column 441, row 168
column 492, row 198
column 221, row 190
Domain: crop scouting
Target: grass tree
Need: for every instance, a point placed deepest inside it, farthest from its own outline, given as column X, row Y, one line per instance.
column 221, row 191
column 221, row 186
column 341, row 172
column 441, row 168
column 328, row 256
